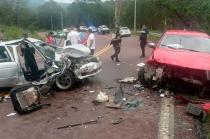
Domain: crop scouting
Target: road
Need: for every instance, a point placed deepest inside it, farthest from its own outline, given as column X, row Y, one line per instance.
column 75, row 106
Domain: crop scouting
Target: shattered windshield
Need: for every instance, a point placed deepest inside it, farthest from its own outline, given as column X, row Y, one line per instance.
column 46, row 50
column 192, row 43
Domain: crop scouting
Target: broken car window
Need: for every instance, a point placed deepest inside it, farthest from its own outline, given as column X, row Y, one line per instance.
column 4, row 55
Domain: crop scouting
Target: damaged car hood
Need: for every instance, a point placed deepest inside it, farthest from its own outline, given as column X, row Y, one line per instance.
column 181, row 58
column 76, row 51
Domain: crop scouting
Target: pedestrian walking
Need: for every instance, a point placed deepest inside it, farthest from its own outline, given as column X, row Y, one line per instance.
column 143, row 40
column 91, row 41
column 116, row 43
column 1, row 35
column 73, row 36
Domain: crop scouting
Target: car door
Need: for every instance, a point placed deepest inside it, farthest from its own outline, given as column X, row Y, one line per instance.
column 8, row 68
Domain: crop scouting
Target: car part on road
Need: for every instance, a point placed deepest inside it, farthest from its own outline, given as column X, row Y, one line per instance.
column 82, row 123
column 132, row 104
column 128, row 80
column 118, row 121
column 101, row 97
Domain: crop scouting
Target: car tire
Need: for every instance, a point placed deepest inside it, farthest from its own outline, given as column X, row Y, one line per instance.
column 65, row 81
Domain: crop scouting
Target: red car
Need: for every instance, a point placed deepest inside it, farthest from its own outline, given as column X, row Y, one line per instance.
column 180, row 54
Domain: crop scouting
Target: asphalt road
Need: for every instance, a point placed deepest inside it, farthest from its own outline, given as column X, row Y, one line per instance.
column 75, row 106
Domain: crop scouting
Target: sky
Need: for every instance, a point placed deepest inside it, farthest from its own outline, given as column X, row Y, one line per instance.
column 67, row 1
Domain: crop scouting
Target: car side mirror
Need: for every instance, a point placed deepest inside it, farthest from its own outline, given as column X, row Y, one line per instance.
column 152, row 45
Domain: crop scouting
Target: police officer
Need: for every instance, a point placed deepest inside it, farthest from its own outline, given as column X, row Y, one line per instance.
column 116, row 42
column 143, row 40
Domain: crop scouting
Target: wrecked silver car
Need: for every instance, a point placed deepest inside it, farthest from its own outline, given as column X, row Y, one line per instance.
column 25, row 60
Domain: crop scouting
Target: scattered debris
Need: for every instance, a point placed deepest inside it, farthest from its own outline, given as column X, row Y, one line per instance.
column 118, row 121
column 162, row 95
column 118, row 64
column 101, row 97
column 132, row 104
column 82, row 123
column 139, row 87
column 111, row 103
column 128, row 80
column 140, row 65
column 119, row 95
column 11, row 114
column 197, row 110
column 109, row 87
column 92, row 91
column 75, row 108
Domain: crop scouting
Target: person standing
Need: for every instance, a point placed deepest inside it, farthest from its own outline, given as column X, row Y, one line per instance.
column 143, row 40
column 50, row 39
column 73, row 36
column 91, row 41
column 116, row 42
column 1, row 35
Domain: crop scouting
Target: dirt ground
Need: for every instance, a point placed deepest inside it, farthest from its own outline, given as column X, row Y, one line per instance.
column 75, row 106
column 138, row 123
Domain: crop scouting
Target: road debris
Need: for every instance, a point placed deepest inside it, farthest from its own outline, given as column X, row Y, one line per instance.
column 75, row 108
column 119, row 95
column 140, row 65
column 101, row 97
column 128, row 80
column 79, row 124
column 118, row 121
column 139, row 87
column 11, row 114
column 132, row 104
column 91, row 91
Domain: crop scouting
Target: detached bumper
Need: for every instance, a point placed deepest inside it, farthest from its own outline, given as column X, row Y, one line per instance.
column 88, row 70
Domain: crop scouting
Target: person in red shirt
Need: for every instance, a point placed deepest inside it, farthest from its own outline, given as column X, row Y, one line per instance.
column 50, row 39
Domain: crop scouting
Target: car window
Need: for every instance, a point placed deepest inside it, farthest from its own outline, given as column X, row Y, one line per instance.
column 193, row 43
column 46, row 50
column 11, row 50
column 4, row 55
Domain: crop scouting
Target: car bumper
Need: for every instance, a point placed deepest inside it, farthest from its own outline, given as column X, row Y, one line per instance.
column 88, row 70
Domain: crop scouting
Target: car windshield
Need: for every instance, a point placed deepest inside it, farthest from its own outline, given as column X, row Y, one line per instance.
column 46, row 50
column 124, row 28
column 192, row 43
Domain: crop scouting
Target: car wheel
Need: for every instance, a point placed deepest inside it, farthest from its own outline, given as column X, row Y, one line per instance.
column 65, row 81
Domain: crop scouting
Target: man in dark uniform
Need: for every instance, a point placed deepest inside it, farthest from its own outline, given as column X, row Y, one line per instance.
column 143, row 40
column 116, row 42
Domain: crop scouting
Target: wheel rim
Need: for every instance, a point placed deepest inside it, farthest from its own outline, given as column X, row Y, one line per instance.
column 64, row 81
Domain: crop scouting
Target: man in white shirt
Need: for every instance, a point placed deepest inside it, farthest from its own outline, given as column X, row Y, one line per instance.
column 91, row 41
column 73, row 36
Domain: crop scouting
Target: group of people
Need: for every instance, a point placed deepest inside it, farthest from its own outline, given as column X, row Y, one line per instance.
column 75, row 37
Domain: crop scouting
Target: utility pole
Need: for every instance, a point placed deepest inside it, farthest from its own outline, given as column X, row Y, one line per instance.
column 51, row 23
column 61, row 19
column 134, row 22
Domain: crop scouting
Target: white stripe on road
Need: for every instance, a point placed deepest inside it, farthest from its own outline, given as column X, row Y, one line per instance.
column 166, row 122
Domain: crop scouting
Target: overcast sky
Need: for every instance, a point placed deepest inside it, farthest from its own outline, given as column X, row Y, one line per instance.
column 67, row 1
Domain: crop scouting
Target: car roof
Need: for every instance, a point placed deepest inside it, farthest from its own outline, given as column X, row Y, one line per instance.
column 18, row 40
column 187, row 33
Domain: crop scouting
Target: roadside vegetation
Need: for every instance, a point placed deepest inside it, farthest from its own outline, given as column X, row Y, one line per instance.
column 50, row 15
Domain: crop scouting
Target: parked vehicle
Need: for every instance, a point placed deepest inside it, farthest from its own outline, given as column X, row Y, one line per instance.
column 103, row 29
column 15, row 70
column 83, row 28
column 125, row 31
column 93, row 28
column 181, row 55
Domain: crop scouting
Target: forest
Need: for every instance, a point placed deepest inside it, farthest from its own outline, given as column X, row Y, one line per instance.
column 156, row 14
